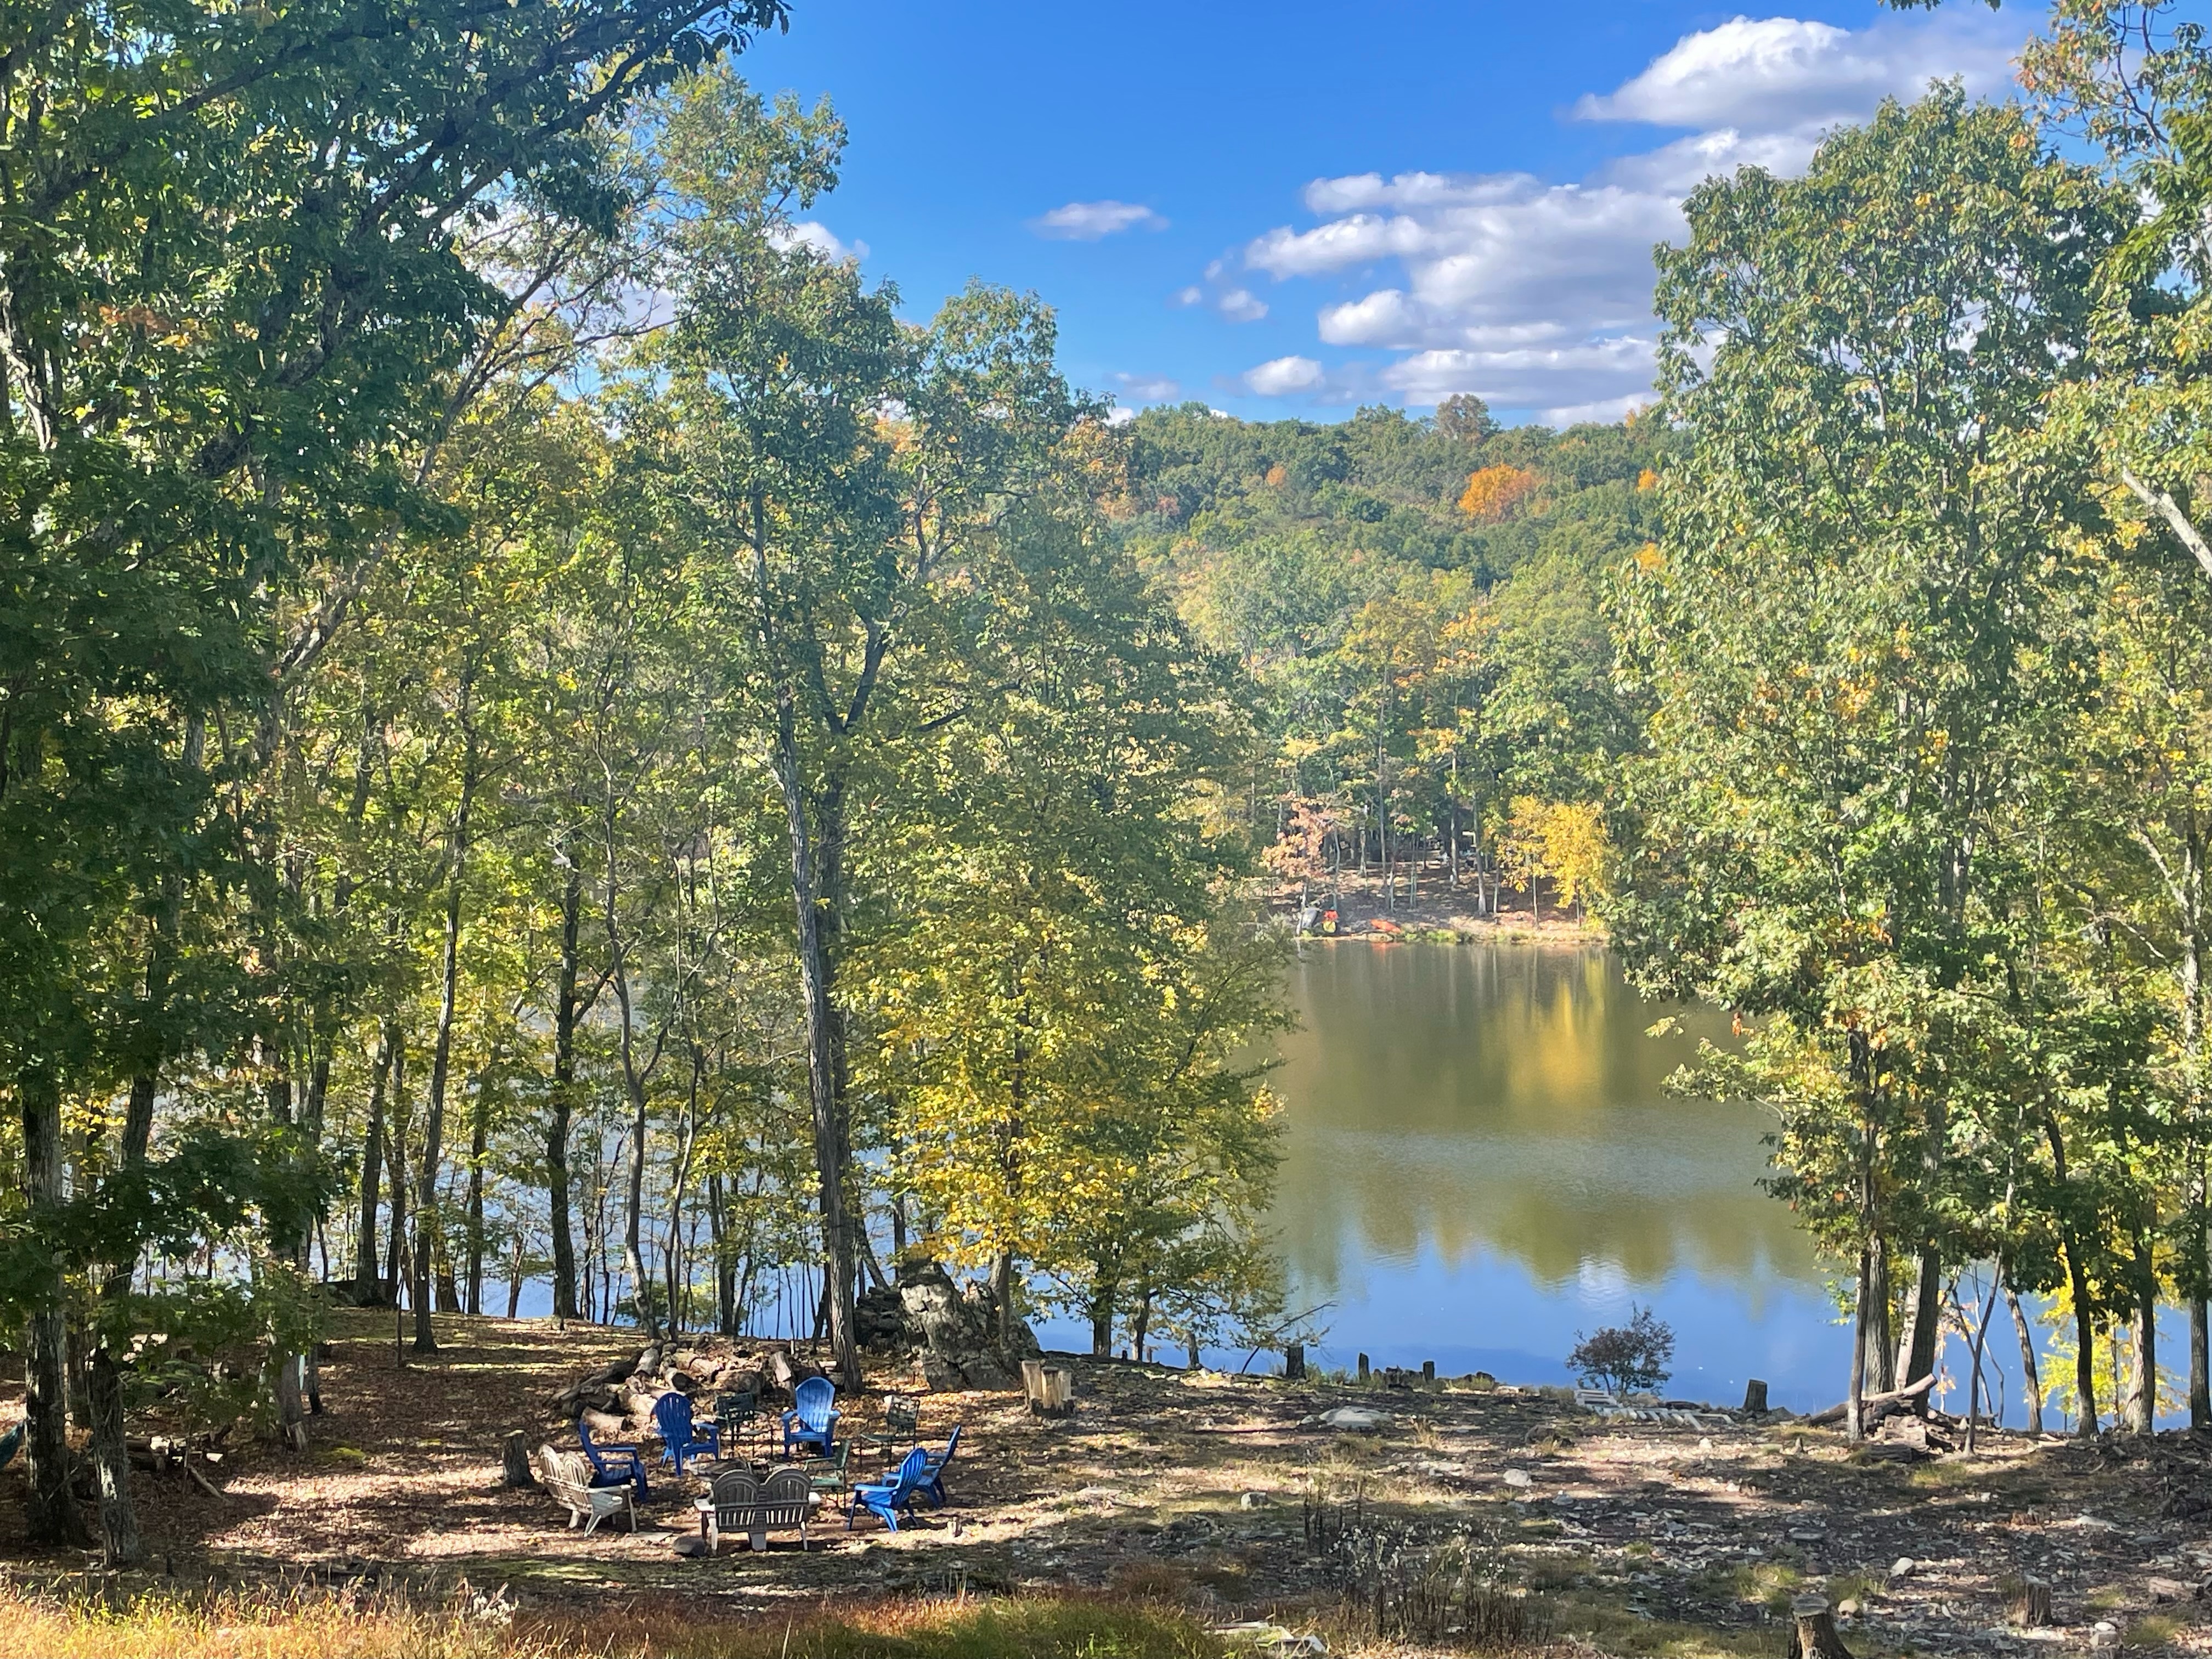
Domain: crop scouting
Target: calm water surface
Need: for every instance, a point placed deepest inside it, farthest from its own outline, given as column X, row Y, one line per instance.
column 1480, row 1162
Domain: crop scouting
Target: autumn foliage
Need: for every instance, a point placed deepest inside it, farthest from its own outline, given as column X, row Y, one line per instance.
column 1493, row 493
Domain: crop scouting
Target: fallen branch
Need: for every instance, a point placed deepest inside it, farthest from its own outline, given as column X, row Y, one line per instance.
column 1872, row 1407
column 206, row 1485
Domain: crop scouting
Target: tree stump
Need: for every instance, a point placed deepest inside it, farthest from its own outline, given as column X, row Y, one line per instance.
column 2030, row 1607
column 1812, row 1633
column 1754, row 1398
column 1363, row 1368
column 1050, row 1388
column 1428, row 1371
column 514, row 1459
column 1294, row 1362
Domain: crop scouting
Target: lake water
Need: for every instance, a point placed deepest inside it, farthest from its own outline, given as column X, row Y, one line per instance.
column 1481, row 1162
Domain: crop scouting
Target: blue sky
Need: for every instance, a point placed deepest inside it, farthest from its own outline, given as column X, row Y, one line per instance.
column 1291, row 209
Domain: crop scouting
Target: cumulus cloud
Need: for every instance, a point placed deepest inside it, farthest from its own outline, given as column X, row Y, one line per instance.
column 1222, row 294
column 1785, row 72
column 1536, row 296
column 1148, row 388
column 808, row 233
column 1280, row 376
column 1087, row 221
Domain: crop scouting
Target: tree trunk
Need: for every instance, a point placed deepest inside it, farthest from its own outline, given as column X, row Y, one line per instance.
column 1104, row 1292
column 1925, row 1321
column 2143, row 1417
column 479, row 1139
column 389, row 1063
column 815, row 859
column 1854, row 1401
column 567, row 1012
column 2085, row 1338
column 1881, row 1350
column 433, row 1120
column 2031, row 1384
column 395, row 1149
column 52, row 1516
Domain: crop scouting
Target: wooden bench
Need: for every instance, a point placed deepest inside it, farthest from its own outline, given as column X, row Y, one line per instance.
column 567, row 1476
column 741, row 1503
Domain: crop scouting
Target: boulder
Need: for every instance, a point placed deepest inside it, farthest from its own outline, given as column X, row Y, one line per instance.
column 957, row 1344
column 1355, row 1419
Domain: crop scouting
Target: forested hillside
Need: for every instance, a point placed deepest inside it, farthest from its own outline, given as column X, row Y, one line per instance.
column 1420, row 607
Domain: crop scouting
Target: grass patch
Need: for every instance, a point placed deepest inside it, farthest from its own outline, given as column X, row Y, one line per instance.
column 2108, row 1598
column 311, row 1626
column 1767, row 1584
column 2153, row 1630
column 1851, row 1587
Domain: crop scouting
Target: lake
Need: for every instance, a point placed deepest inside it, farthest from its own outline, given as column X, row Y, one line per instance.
column 1479, row 1162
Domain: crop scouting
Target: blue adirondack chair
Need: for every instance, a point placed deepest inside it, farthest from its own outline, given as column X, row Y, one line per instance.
column 812, row 1418
column 612, row 1466
column 932, row 1472
column 885, row 1499
column 680, row 1436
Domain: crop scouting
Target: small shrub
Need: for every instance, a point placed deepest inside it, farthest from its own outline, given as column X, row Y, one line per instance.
column 1625, row 1358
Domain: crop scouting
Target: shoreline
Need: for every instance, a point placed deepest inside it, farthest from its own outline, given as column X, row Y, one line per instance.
column 1438, row 915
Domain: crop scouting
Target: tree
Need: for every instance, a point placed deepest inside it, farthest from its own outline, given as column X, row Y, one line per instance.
column 841, row 473
column 1860, row 622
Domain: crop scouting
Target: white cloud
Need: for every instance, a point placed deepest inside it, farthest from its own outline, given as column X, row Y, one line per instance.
column 1280, row 376
column 1087, row 221
column 1785, row 72
column 1537, row 295
column 1241, row 304
column 808, row 233
column 1224, row 296
column 1148, row 388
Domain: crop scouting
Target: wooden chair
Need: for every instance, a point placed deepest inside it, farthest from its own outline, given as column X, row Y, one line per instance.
column 740, row 1503
column 567, row 1477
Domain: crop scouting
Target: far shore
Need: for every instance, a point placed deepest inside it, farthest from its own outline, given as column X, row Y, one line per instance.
column 1436, row 913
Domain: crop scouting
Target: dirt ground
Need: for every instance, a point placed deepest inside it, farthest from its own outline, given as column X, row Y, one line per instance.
column 1198, row 1487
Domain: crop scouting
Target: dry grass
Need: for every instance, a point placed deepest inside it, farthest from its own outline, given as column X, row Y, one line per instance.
column 315, row 1625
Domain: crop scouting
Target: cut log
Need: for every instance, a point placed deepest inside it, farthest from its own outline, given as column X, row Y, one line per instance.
column 1874, row 1406
column 1050, row 1388
column 1754, row 1398
column 788, row 1373
column 515, row 1457
column 2030, row 1607
column 1812, row 1630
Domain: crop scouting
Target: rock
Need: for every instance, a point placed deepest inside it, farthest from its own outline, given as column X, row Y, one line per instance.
column 1518, row 1478
column 1902, row 1567
column 880, row 1320
column 1848, row 1608
column 954, row 1327
column 1704, row 1445
column 1356, row 1419
column 2104, row 1634
column 2166, row 1589
column 1808, row 1535
column 1254, row 1500
column 690, row 1544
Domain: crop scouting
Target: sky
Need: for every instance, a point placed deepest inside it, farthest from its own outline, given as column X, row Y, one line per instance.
column 1294, row 210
